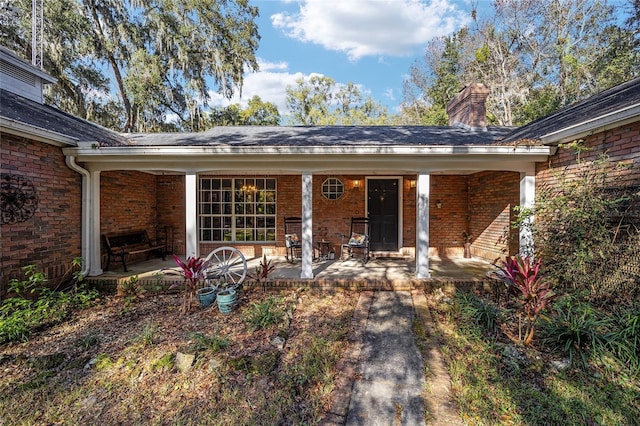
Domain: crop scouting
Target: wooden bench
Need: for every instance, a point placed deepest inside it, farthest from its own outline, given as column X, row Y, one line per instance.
column 134, row 242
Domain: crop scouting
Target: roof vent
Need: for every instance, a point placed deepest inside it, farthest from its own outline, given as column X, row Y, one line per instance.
column 17, row 73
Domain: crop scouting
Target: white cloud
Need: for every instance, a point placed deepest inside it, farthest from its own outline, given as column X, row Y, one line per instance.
column 270, row 83
column 371, row 27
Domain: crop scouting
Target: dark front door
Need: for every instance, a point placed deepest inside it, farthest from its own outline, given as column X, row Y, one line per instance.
column 383, row 212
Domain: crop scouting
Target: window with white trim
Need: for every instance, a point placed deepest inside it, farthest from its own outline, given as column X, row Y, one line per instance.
column 237, row 209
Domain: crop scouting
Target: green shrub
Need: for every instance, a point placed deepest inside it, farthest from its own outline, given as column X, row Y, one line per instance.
column 33, row 305
column 266, row 313
column 579, row 226
column 478, row 311
column 203, row 342
column 624, row 338
column 575, row 328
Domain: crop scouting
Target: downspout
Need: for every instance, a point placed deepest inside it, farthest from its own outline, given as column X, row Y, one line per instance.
column 86, row 213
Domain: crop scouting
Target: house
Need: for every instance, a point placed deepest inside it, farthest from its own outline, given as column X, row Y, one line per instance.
column 423, row 187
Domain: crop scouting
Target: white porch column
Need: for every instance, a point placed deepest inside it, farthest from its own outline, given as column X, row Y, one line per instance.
column 91, row 224
column 527, row 199
column 307, row 226
column 422, row 226
column 191, row 214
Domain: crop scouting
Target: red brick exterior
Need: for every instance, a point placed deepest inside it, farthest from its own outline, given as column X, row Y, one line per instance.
column 492, row 197
column 621, row 144
column 481, row 205
column 447, row 223
column 171, row 210
column 461, row 197
column 127, row 203
column 478, row 204
column 51, row 238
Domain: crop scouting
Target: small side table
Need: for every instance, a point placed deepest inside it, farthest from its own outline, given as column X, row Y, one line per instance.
column 324, row 247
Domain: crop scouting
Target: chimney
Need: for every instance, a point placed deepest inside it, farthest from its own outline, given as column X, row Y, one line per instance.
column 468, row 108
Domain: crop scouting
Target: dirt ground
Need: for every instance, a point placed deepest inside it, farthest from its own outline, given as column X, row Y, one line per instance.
column 115, row 363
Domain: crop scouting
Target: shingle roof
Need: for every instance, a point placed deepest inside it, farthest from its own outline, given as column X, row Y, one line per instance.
column 32, row 113
column 609, row 101
column 325, row 136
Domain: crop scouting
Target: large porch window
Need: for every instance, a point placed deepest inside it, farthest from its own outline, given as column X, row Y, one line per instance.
column 237, row 209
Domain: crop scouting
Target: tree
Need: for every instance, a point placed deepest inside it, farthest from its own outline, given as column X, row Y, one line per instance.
column 320, row 101
column 433, row 82
column 309, row 100
column 81, row 83
column 182, row 43
column 257, row 113
column 260, row 113
column 161, row 54
column 535, row 57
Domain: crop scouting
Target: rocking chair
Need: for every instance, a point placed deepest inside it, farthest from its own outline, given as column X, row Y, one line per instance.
column 358, row 239
column 293, row 238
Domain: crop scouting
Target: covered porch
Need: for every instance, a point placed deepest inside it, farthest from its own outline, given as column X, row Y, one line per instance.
column 379, row 273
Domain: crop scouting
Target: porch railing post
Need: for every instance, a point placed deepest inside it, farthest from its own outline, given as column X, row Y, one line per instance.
column 527, row 199
column 422, row 226
column 92, row 223
column 191, row 214
column 307, row 226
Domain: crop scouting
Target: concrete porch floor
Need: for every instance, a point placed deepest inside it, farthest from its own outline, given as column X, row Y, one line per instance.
column 380, row 270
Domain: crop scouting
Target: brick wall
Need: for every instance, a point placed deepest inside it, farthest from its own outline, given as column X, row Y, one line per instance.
column 409, row 229
column 50, row 238
column 492, row 197
column 622, row 145
column 171, row 210
column 447, row 223
column 127, row 203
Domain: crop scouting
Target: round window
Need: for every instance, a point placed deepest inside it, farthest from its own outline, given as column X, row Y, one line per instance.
column 332, row 188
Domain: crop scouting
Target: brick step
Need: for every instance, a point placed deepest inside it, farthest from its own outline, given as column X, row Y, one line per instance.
column 389, row 254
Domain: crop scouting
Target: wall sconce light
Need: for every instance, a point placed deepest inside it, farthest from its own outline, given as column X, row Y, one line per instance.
column 356, row 184
column 412, row 183
column 439, row 204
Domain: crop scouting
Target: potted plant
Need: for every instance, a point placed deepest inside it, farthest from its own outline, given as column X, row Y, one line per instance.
column 466, row 239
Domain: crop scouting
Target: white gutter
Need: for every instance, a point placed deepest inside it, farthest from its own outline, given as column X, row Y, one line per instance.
column 381, row 150
column 37, row 133
column 617, row 118
column 86, row 214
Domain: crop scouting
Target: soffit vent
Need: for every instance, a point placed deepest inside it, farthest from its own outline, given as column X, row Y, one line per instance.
column 17, row 73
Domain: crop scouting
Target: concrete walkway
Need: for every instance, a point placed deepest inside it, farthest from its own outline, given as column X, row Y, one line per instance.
column 392, row 380
column 384, row 376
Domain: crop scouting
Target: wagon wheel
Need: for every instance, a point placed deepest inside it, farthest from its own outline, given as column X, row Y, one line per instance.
column 227, row 264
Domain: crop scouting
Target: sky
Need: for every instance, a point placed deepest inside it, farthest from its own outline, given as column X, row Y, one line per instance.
column 371, row 43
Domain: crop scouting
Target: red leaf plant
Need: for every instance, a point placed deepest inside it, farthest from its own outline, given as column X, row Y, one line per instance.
column 194, row 272
column 522, row 277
